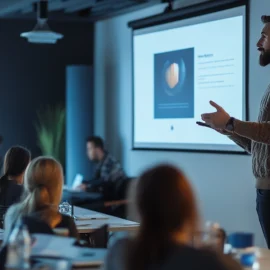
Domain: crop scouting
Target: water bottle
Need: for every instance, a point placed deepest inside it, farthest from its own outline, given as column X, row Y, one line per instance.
column 210, row 235
column 66, row 209
column 19, row 249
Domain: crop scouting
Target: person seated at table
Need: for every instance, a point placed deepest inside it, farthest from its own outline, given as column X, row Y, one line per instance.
column 168, row 220
column 108, row 169
column 15, row 162
column 43, row 183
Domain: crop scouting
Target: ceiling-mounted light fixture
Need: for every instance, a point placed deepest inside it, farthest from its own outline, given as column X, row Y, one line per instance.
column 42, row 33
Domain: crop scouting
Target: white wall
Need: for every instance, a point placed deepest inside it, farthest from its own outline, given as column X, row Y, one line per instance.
column 224, row 183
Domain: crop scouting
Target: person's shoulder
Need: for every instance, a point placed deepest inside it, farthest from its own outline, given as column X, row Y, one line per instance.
column 14, row 187
column 122, row 242
column 19, row 188
column 67, row 219
column 120, row 246
column 216, row 260
column 116, row 253
column 13, row 209
column 196, row 258
column 68, row 222
column 12, row 214
column 228, row 262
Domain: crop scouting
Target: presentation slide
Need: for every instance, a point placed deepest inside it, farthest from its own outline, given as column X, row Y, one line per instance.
column 178, row 68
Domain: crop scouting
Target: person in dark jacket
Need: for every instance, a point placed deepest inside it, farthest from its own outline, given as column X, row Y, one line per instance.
column 107, row 172
column 15, row 162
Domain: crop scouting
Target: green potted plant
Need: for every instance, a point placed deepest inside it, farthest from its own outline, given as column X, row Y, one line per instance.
column 50, row 129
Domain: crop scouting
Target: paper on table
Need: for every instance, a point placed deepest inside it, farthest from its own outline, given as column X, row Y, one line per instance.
column 90, row 216
column 51, row 245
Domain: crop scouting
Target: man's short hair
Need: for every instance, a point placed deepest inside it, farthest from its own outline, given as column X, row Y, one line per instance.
column 265, row 19
column 1, row 139
column 97, row 141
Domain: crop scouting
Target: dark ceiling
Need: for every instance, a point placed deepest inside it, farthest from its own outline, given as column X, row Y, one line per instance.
column 92, row 10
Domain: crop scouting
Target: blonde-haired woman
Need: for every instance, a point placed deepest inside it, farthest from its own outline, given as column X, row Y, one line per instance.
column 43, row 182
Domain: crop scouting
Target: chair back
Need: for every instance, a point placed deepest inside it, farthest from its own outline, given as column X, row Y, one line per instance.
column 98, row 238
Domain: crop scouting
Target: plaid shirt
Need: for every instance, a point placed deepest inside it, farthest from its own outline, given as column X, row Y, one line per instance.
column 108, row 173
column 108, row 169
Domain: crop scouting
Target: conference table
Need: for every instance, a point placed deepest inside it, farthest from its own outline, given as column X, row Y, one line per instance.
column 263, row 261
column 263, row 258
column 263, row 254
column 91, row 220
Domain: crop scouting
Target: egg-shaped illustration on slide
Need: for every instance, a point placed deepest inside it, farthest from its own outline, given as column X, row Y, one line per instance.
column 174, row 84
column 173, row 74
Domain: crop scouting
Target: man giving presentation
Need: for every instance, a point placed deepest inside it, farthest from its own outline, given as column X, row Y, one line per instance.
column 254, row 137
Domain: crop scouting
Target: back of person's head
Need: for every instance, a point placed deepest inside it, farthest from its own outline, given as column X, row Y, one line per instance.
column 43, row 181
column 15, row 162
column 168, row 211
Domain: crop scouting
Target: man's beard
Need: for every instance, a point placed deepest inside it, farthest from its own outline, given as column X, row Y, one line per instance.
column 265, row 58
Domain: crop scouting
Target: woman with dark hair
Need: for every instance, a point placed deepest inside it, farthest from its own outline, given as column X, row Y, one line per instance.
column 15, row 162
column 169, row 219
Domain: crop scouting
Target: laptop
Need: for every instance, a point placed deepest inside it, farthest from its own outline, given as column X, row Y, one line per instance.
column 76, row 182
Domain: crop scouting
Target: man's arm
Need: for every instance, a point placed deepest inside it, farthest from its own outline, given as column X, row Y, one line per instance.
column 243, row 142
column 258, row 132
column 254, row 131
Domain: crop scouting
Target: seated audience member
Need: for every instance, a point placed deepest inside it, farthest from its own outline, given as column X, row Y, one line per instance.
column 169, row 219
column 15, row 162
column 108, row 169
column 43, row 183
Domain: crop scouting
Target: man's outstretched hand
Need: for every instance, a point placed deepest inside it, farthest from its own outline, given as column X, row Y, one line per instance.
column 219, row 130
column 217, row 120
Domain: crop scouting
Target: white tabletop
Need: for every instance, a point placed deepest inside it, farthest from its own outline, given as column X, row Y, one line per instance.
column 114, row 223
column 86, row 226
column 263, row 256
column 51, row 247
